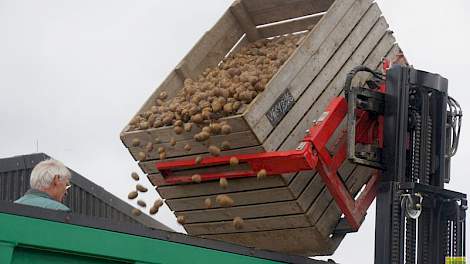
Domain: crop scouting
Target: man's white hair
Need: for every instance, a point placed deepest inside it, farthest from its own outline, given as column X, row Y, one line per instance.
column 45, row 171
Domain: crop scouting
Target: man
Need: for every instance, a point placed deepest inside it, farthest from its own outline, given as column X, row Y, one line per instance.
column 49, row 182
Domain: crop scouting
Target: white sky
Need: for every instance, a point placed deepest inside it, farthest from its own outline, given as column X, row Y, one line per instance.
column 73, row 73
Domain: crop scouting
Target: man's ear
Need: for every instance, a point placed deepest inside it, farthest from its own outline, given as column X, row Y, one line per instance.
column 56, row 180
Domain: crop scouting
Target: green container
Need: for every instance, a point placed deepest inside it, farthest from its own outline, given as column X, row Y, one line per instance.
column 34, row 235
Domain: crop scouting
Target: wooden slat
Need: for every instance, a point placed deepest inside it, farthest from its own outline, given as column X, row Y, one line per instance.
column 278, row 10
column 300, row 241
column 244, row 19
column 149, row 166
column 293, row 26
column 270, row 223
column 251, row 225
column 320, row 83
column 209, row 188
column 237, row 140
column 214, row 45
column 245, row 212
column 335, row 87
column 237, row 123
column 240, row 198
column 311, row 45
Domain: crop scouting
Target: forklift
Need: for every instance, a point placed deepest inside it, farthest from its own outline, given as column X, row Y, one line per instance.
column 401, row 122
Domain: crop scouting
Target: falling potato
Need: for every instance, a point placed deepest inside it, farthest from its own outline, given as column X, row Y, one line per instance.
column 135, row 176
column 181, row 219
column 141, row 188
column 238, row 223
column 224, row 200
column 223, row 183
column 261, row 174
column 161, row 149
column 225, row 145
column 141, row 156
column 198, row 160
column 187, row 147
column 172, row 142
column 149, row 147
column 136, row 212
column 196, row 178
column 158, row 203
column 163, row 95
column 132, row 195
column 135, row 142
column 234, row 161
column 162, row 155
column 153, row 210
column 226, row 129
column 214, row 150
column 141, row 203
column 208, row 203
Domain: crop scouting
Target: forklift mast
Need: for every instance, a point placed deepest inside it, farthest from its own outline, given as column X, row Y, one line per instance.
column 404, row 125
column 417, row 219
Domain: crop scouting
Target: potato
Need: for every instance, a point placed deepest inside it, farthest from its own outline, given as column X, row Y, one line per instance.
column 153, row 210
column 161, row 149
column 178, row 123
column 172, row 141
column 215, row 128
column 144, row 125
column 141, row 188
column 158, row 203
column 188, row 127
column 187, row 147
column 216, row 106
column 226, row 129
column 141, row 203
column 223, row 183
column 132, row 195
column 178, row 130
column 196, row 118
column 162, row 155
column 196, row 178
column 214, row 150
column 225, row 145
column 261, row 174
column 163, row 95
column 228, row 108
column 206, row 129
column 136, row 212
column 234, row 161
column 181, row 219
column 135, row 176
column 141, row 156
column 238, row 223
column 208, row 203
column 149, row 147
column 135, row 142
column 224, row 200
column 198, row 160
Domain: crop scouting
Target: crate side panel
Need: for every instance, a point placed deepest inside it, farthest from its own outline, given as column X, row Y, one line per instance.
column 264, row 12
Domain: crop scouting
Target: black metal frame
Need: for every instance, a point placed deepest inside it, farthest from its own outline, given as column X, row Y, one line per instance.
column 417, row 220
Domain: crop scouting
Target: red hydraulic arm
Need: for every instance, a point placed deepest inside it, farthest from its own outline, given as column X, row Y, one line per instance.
column 311, row 154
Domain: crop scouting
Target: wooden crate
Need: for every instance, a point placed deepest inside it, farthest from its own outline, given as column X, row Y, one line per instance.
column 289, row 213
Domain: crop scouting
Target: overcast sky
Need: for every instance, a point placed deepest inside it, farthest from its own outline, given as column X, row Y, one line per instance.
column 73, row 73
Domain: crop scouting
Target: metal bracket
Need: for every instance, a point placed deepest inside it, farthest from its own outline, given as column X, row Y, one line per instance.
column 368, row 152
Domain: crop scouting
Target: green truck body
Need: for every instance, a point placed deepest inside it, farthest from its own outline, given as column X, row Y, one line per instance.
column 35, row 235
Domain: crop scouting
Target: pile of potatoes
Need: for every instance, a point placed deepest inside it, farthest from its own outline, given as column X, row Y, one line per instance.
column 220, row 91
